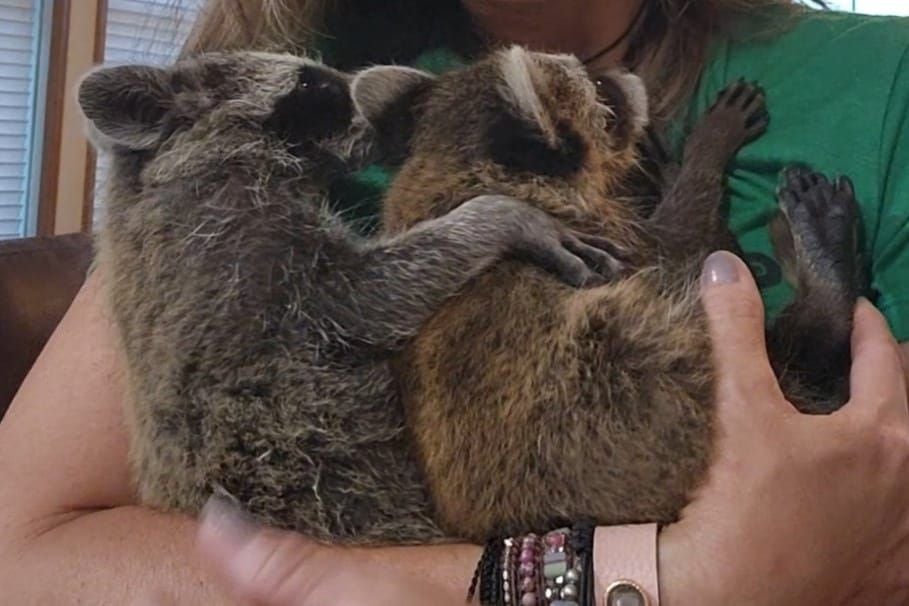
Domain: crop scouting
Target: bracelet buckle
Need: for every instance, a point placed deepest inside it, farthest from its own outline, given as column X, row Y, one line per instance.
column 626, row 593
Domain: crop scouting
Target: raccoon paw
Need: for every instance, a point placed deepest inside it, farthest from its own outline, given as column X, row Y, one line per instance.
column 822, row 219
column 738, row 116
column 607, row 260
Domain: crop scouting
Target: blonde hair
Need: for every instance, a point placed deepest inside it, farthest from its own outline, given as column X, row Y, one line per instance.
column 668, row 48
column 280, row 25
column 673, row 43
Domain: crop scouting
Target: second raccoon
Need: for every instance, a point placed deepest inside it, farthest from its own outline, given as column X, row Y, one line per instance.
column 533, row 404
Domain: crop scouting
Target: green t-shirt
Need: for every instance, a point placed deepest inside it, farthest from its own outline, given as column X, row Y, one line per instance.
column 837, row 88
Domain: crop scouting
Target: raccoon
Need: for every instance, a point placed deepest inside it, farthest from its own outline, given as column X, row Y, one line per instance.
column 257, row 328
column 533, row 404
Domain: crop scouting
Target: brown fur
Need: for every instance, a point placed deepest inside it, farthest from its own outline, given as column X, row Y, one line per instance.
column 257, row 326
column 532, row 404
column 258, row 329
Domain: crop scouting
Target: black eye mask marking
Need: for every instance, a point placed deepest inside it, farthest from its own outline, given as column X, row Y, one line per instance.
column 519, row 145
column 319, row 107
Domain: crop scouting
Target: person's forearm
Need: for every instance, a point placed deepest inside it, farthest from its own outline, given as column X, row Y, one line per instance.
column 448, row 567
column 115, row 556
column 904, row 348
column 451, row 567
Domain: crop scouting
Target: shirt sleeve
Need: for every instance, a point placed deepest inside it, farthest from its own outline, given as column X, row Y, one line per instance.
column 890, row 248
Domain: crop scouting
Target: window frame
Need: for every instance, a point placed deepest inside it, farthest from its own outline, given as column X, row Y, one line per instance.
column 36, row 114
column 101, row 42
column 52, row 125
column 39, row 115
column 66, row 158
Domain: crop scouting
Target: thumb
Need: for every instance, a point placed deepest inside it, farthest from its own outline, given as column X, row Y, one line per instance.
column 735, row 316
column 275, row 568
column 258, row 565
column 878, row 376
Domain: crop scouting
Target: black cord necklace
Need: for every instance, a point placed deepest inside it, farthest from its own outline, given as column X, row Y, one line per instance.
column 612, row 45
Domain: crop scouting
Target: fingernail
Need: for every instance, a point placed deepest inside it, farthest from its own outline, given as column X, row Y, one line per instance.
column 225, row 523
column 719, row 268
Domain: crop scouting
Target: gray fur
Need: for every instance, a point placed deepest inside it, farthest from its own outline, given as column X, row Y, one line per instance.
column 257, row 328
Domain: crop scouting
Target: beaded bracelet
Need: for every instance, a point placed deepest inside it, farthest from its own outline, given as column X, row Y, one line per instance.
column 530, row 574
column 487, row 574
column 582, row 543
column 555, row 569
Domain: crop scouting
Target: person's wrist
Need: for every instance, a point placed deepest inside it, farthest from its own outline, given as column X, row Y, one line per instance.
column 682, row 576
column 447, row 567
column 626, row 565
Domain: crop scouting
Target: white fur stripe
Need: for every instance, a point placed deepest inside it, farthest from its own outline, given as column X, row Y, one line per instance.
column 517, row 72
column 570, row 61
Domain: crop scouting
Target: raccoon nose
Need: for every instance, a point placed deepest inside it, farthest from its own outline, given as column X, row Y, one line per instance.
column 329, row 86
column 312, row 80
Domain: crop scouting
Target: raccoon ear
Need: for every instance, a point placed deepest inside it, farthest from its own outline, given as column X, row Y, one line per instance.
column 389, row 98
column 126, row 105
column 382, row 89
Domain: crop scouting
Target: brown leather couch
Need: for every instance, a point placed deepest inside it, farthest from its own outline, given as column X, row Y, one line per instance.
column 39, row 278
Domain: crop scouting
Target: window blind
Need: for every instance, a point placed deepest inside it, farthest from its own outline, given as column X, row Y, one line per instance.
column 142, row 31
column 20, row 50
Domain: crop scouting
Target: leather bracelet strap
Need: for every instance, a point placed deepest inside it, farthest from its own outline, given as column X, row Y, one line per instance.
column 626, row 553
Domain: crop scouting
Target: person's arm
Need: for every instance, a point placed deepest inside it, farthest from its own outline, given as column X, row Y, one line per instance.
column 69, row 530
column 797, row 509
column 904, row 348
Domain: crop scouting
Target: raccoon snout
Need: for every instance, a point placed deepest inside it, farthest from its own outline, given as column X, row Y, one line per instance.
column 317, row 109
column 337, row 88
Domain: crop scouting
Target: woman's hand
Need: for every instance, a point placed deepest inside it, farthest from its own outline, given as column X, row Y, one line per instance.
column 273, row 568
column 804, row 510
column 797, row 509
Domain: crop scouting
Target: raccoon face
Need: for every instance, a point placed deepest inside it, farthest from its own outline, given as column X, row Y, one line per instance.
column 294, row 100
column 530, row 114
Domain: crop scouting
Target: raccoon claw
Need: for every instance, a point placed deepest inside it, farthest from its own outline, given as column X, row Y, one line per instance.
column 738, row 116
column 822, row 217
column 576, row 259
column 743, row 96
column 576, row 262
column 598, row 254
column 569, row 267
column 756, row 124
column 844, row 184
column 603, row 244
column 801, row 179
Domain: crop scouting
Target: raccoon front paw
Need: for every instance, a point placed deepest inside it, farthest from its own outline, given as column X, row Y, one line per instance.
column 738, row 116
column 600, row 256
column 578, row 260
column 822, row 219
column 534, row 235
